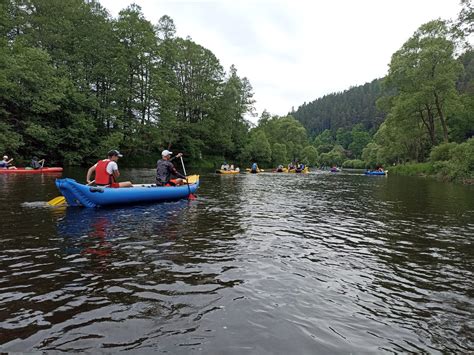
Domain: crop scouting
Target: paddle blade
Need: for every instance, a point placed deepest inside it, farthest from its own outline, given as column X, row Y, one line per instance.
column 192, row 179
column 192, row 197
column 60, row 200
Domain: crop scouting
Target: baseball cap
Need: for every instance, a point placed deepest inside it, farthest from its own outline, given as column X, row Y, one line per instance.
column 165, row 153
column 114, row 152
column 5, row 157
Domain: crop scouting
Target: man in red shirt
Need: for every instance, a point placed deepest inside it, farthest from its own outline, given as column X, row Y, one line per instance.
column 106, row 171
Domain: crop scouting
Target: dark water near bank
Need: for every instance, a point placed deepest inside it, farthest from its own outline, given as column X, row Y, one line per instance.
column 258, row 264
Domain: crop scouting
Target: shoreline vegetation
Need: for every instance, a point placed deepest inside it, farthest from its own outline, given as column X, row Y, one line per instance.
column 71, row 90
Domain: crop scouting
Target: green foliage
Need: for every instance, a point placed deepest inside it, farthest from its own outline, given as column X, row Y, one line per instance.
column 360, row 138
column 335, row 157
column 279, row 154
column 309, row 155
column 423, row 73
column 442, row 152
column 372, row 155
column 75, row 83
column 324, row 142
column 354, row 164
column 258, row 149
column 10, row 141
column 342, row 110
column 449, row 162
column 413, row 169
column 343, row 137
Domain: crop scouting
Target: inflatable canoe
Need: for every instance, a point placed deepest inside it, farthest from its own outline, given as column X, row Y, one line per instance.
column 91, row 196
column 31, row 171
column 292, row 171
column 376, row 173
column 227, row 172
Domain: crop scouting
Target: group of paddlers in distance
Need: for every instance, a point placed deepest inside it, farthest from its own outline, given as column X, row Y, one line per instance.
column 293, row 167
column 6, row 163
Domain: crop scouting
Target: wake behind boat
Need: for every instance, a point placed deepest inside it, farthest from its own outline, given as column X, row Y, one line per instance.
column 90, row 196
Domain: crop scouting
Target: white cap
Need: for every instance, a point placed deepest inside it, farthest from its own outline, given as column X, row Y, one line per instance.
column 5, row 157
column 165, row 153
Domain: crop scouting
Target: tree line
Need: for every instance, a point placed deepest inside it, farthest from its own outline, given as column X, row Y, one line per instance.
column 76, row 82
column 421, row 112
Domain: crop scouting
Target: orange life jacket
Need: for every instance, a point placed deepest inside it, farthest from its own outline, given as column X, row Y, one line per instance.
column 102, row 177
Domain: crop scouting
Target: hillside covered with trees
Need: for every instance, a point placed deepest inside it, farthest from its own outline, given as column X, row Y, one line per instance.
column 344, row 110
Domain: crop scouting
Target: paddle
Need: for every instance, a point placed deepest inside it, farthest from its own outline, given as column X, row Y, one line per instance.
column 190, row 196
column 60, row 200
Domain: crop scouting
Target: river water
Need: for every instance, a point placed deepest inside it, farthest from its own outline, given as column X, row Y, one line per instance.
column 258, row 264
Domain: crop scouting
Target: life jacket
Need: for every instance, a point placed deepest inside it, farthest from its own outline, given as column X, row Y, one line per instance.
column 102, row 177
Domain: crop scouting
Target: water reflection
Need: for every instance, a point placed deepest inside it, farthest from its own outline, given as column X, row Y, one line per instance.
column 325, row 263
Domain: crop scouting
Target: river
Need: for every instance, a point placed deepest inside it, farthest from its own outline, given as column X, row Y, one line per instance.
column 258, row 264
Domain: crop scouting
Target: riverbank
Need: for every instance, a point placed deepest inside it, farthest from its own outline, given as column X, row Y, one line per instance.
column 441, row 171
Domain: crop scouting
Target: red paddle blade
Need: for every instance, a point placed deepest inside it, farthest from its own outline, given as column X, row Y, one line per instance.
column 192, row 197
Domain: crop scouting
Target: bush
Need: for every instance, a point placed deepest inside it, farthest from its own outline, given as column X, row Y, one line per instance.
column 442, row 152
column 354, row 164
column 413, row 169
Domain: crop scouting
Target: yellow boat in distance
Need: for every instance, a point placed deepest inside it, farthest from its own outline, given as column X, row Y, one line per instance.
column 227, row 172
column 292, row 171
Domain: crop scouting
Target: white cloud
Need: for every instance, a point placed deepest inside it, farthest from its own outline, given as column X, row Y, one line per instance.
column 294, row 51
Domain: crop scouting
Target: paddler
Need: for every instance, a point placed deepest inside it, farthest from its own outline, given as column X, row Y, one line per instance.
column 107, row 172
column 165, row 169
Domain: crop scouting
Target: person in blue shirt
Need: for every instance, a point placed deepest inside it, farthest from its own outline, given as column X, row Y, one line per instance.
column 5, row 163
column 254, row 168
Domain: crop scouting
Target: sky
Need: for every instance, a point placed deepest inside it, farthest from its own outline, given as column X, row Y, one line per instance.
column 295, row 51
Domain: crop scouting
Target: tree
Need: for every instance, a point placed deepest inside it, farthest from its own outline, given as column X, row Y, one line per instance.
column 324, row 142
column 279, row 154
column 423, row 73
column 309, row 155
column 360, row 138
column 257, row 149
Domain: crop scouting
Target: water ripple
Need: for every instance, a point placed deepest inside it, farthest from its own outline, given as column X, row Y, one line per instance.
column 261, row 264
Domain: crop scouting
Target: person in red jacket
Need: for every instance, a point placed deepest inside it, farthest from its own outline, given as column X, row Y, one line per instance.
column 106, row 171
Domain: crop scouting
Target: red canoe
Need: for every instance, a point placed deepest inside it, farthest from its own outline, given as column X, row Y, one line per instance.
column 31, row 171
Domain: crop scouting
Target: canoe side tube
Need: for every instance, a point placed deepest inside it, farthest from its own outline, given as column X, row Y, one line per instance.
column 89, row 196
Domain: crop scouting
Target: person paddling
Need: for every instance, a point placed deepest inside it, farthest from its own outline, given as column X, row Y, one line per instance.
column 106, row 172
column 165, row 169
column 5, row 163
column 254, row 169
column 37, row 164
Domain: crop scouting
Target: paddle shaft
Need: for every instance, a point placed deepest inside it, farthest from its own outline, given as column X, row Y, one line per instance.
column 187, row 182
column 184, row 169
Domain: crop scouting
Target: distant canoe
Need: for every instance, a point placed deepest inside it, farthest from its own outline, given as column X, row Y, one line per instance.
column 376, row 173
column 227, row 172
column 31, row 171
column 292, row 171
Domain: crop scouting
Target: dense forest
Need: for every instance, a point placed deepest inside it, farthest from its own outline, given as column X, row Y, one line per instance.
column 344, row 110
column 76, row 82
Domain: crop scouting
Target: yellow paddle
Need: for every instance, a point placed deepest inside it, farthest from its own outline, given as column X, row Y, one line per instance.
column 59, row 200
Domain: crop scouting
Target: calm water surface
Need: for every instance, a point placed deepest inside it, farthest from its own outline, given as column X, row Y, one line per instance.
column 258, row 264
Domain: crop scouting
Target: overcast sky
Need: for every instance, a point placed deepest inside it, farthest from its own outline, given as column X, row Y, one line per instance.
column 294, row 51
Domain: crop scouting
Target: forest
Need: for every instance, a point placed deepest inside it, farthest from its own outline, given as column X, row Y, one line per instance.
column 76, row 82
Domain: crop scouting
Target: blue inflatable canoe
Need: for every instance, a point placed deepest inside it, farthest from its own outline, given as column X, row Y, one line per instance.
column 91, row 196
column 375, row 173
